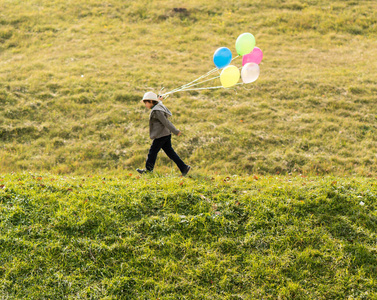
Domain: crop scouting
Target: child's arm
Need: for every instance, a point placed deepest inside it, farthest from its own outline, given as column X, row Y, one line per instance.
column 161, row 117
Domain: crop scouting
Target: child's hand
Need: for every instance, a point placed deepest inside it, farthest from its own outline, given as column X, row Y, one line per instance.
column 179, row 133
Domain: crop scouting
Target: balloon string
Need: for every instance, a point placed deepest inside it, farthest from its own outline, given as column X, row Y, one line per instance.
column 204, row 88
column 192, row 83
column 183, row 89
column 205, row 75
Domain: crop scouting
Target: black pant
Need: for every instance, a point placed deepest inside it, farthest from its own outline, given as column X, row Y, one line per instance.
column 164, row 143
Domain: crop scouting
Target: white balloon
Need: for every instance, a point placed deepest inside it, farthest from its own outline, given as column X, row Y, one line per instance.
column 250, row 72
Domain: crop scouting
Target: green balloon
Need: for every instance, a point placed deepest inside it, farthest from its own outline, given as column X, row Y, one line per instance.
column 245, row 43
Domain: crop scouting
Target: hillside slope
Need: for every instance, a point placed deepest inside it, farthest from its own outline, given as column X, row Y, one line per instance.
column 72, row 72
column 268, row 237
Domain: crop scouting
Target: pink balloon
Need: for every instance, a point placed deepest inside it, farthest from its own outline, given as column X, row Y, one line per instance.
column 254, row 56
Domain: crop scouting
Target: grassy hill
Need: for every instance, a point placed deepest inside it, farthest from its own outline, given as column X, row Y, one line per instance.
column 71, row 75
column 76, row 222
column 165, row 237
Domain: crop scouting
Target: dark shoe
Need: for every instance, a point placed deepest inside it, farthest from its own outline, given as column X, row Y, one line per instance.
column 187, row 170
column 142, row 171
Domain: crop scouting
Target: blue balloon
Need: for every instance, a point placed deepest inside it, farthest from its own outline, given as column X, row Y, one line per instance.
column 222, row 57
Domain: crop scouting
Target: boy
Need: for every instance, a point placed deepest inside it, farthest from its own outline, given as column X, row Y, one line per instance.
column 160, row 129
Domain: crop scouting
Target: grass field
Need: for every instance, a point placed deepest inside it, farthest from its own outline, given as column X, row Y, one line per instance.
column 281, row 202
column 165, row 237
column 71, row 75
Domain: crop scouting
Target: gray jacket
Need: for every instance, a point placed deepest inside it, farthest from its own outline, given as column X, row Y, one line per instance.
column 159, row 125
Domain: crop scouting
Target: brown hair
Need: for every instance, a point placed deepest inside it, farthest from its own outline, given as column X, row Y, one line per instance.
column 151, row 101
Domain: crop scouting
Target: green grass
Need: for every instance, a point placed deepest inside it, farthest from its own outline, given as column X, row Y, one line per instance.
column 165, row 237
column 77, row 223
column 312, row 110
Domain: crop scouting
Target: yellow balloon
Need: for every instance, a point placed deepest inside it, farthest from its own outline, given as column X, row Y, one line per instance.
column 229, row 76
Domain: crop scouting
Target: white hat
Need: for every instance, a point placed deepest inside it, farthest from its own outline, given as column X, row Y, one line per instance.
column 150, row 96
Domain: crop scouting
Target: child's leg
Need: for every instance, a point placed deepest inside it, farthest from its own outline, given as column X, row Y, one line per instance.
column 167, row 147
column 152, row 154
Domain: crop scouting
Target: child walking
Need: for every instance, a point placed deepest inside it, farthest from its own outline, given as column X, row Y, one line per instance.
column 160, row 129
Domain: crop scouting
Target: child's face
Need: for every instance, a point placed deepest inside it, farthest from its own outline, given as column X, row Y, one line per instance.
column 148, row 104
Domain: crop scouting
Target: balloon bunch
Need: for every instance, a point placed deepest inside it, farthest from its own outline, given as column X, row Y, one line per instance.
column 230, row 74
